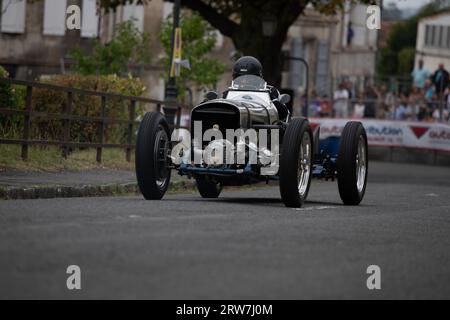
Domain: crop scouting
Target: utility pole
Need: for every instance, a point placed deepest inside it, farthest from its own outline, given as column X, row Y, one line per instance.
column 171, row 92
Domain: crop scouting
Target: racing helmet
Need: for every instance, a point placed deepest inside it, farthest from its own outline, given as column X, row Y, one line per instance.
column 247, row 65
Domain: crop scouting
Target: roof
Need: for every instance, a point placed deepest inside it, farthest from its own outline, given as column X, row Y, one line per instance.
column 442, row 14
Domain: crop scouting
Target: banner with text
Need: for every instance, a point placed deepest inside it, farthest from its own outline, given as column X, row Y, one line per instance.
column 385, row 133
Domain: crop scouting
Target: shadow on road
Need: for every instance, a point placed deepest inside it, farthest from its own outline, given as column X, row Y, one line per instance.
column 261, row 201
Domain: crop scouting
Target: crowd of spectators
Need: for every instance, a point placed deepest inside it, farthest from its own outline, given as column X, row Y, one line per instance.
column 427, row 100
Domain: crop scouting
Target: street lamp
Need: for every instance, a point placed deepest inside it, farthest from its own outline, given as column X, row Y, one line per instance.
column 171, row 91
column 269, row 25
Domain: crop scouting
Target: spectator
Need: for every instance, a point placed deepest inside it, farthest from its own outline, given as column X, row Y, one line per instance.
column 420, row 75
column 403, row 110
column 358, row 109
column 441, row 79
column 371, row 98
column 416, row 101
column 325, row 107
column 350, row 34
column 314, row 105
column 390, row 101
column 348, row 85
column 341, row 98
column 422, row 112
column 382, row 107
column 429, row 90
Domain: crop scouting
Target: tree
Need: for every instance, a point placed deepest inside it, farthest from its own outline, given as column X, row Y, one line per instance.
column 129, row 45
column 401, row 44
column 241, row 20
column 199, row 39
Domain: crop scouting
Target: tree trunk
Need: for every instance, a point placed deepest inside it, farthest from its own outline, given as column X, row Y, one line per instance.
column 267, row 51
column 247, row 34
column 250, row 40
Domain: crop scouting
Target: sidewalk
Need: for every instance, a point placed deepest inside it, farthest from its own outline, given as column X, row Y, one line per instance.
column 90, row 183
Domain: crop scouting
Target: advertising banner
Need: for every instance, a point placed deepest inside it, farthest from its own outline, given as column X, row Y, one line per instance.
column 385, row 133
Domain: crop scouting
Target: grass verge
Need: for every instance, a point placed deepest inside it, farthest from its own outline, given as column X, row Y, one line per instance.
column 49, row 158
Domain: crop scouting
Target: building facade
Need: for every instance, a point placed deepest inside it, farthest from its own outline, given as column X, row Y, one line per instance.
column 433, row 41
column 332, row 55
column 34, row 41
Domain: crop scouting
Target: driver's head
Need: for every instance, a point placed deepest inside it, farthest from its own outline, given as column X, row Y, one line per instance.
column 247, row 65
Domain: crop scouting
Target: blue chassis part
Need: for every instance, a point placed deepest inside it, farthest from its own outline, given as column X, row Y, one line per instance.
column 324, row 164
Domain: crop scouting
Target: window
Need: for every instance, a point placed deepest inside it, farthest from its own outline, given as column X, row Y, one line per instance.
column 13, row 16
column 448, row 37
column 428, row 35
column 437, row 36
column 444, row 37
column 440, row 42
column 89, row 19
column 433, row 36
column 55, row 17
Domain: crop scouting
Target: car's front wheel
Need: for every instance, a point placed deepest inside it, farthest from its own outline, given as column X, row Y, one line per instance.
column 296, row 163
column 352, row 163
column 152, row 156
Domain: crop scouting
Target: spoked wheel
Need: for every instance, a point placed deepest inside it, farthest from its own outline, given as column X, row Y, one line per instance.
column 352, row 163
column 296, row 163
column 152, row 156
column 208, row 188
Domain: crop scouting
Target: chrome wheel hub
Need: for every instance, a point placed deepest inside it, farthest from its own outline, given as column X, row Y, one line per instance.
column 304, row 164
column 361, row 164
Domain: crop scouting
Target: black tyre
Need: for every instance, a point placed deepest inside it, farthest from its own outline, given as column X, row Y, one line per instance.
column 152, row 156
column 208, row 188
column 296, row 163
column 352, row 163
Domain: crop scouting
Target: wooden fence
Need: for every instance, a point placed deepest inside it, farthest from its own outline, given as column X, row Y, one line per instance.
column 66, row 116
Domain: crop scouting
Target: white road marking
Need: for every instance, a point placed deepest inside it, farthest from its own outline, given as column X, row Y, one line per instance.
column 432, row 195
column 316, row 208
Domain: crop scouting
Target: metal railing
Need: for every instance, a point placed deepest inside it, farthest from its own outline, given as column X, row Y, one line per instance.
column 66, row 116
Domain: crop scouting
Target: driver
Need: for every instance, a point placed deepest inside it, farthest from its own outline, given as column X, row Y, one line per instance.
column 249, row 65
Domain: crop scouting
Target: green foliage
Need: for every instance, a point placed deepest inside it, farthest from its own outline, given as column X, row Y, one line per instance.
column 6, row 94
column 198, row 40
column 387, row 62
column 128, row 46
column 406, row 58
column 11, row 97
column 53, row 101
column 401, row 43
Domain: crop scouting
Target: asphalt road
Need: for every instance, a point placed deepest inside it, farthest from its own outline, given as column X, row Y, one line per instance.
column 244, row 245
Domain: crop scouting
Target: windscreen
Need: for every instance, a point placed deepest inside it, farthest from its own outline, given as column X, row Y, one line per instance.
column 248, row 82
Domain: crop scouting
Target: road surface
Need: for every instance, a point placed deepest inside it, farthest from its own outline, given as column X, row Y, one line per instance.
column 245, row 245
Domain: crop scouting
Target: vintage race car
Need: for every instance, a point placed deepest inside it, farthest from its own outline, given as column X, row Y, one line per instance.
column 248, row 137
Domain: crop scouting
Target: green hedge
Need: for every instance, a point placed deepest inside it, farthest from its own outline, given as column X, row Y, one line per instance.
column 53, row 101
column 11, row 97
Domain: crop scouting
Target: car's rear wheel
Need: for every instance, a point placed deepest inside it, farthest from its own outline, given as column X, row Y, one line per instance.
column 296, row 163
column 352, row 163
column 152, row 156
column 208, row 188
